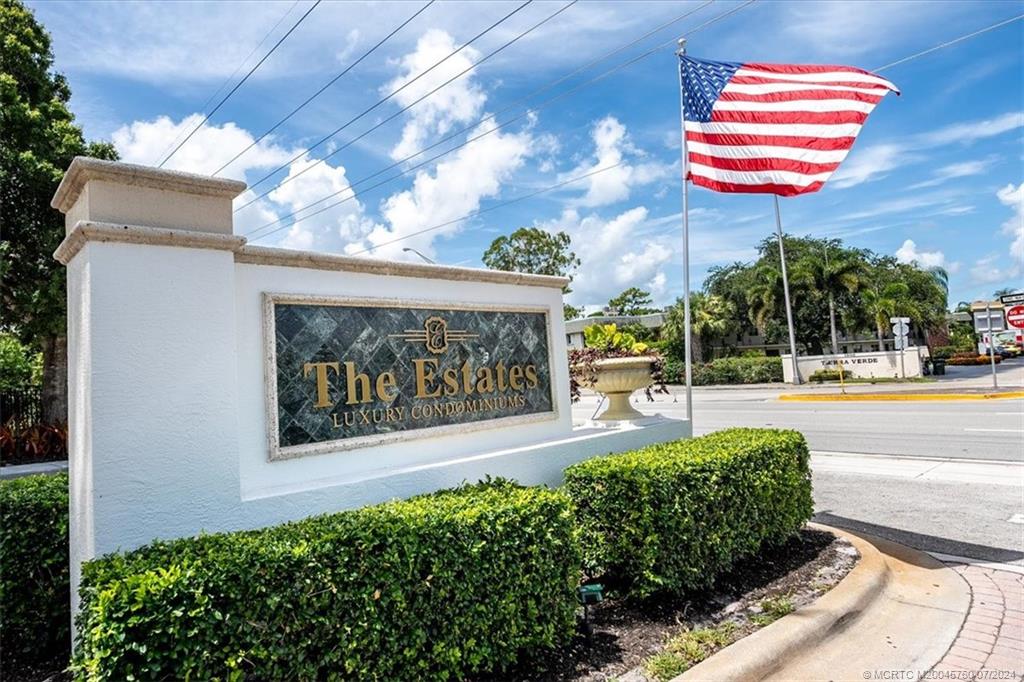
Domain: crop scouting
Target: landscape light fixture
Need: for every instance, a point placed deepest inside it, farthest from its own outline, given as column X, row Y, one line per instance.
column 588, row 595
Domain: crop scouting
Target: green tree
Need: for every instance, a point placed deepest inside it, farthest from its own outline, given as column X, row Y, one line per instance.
column 38, row 140
column 632, row 301
column 571, row 312
column 834, row 271
column 882, row 302
column 537, row 251
column 711, row 317
column 20, row 368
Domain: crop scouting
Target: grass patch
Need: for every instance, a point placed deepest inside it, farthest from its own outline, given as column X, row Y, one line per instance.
column 772, row 609
column 688, row 649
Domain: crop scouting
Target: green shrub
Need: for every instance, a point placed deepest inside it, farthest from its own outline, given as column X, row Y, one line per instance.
column 670, row 517
column 739, row 370
column 823, row 375
column 944, row 352
column 34, row 593
column 441, row 586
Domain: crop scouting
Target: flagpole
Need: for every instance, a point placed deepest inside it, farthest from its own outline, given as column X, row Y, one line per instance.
column 785, row 292
column 686, row 236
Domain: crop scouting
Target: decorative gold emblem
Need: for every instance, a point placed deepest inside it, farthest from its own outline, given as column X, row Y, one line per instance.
column 435, row 335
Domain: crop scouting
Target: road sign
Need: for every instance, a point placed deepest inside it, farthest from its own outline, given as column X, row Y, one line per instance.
column 899, row 343
column 900, row 328
column 1012, row 299
column 894, row 320
column 1015, row 316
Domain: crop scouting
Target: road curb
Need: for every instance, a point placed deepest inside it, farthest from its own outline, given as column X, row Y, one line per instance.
column 758, row 654
column 855, row 397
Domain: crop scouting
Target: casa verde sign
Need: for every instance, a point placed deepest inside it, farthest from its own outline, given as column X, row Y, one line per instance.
column 348, row 373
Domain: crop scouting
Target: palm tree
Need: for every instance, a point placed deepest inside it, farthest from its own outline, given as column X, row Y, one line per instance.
column 833, row 276
column 764, row 296
column 885, row 302
column 710, row 317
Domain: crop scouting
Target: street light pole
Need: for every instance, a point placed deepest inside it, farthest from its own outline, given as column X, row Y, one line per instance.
column 409, row 249
column 991, row 343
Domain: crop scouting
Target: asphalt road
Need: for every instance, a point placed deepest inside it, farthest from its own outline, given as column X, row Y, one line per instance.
column 945, row 477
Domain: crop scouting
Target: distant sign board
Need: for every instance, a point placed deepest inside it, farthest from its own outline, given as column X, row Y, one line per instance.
column 1012, row 299
column 1015, row 316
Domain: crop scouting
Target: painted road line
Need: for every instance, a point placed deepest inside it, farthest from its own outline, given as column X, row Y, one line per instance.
column 877, row 455
column 991, row 565
column 995, row 430
column 899, row 397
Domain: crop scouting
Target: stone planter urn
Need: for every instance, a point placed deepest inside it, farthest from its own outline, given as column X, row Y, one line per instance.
column 616, row 379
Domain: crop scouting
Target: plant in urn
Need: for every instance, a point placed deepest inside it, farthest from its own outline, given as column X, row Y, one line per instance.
column 614, row 364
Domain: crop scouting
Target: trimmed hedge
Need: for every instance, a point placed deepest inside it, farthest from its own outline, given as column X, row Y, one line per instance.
column 670, row 517
column 34, row 591
column 740, row 370
column 440, row 586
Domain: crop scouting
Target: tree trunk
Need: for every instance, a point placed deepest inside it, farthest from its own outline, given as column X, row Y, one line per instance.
column 697, row 352
column 832, row 324
column 881, row 344
column 55, row 380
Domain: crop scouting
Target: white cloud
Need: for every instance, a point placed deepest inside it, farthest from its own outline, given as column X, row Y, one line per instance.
column 952, row 171
column 148, row 142
column 909, row 253
column 969, row 131
column 849, row 28
column 987, row 271
column 330, row 229
column 875, row 161
column 458, row 102
column 612, row 258
column 1014, row 227
column 612, row 146
column 455, row 188
column 871, row 163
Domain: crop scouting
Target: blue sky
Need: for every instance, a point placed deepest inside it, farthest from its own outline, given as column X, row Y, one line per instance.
column 935, row 175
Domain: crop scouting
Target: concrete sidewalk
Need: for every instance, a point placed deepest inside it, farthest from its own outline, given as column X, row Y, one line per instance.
column 901, row 614
column 989, row 472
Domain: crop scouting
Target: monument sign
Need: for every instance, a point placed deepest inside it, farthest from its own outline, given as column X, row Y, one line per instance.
column 216, row 385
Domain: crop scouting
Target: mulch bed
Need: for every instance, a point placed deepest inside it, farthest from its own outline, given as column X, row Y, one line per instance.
column 627, row 633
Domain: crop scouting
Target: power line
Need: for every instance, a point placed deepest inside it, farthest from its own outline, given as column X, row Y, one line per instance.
column 493, row 207
column 398, row 113
column 239, row 84
column 545, row 103
column 951, row 42
column 325, row 86
column 234, row 73
column 489, row 117
column 382, row 101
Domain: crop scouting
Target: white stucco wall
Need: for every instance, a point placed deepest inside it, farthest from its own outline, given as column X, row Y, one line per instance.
column 170, row 427
column 884, row 364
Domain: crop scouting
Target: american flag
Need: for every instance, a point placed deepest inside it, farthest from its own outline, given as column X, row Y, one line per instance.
column 772, row 128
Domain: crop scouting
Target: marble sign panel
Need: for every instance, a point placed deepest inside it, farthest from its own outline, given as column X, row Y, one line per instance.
column 348, row 373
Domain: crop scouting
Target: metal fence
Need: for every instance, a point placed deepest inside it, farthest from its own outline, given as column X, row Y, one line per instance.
column 20, row 409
